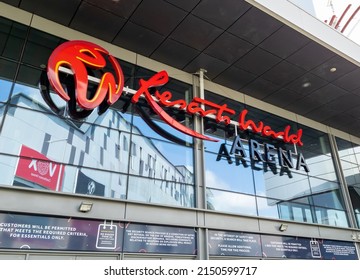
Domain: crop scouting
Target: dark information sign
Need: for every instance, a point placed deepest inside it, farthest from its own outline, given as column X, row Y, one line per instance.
column 41, row 232
column 234, row 244
column 106, row 236
column 227, row 243
column 306, row 248
column 286, row 247
column 159, row 239
column 53, row 233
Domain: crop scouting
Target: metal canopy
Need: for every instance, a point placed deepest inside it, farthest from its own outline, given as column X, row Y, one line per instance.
column 240, row 46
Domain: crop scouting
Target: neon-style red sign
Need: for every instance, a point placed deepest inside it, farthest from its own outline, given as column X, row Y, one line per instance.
column 266, row 130
column 77, row 55
column 80, row 55
column 160, row 79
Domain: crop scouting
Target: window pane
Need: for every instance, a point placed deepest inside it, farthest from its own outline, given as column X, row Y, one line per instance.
column 161, row 160
column 7, row 74
column 39, row 47
column 12, row 38
column 349, row 160
column 95, row 182
column 346, row 151
column 355, row 200
column 326, row 194
column 351, row 172
column 289, row 186
column 231, row 202
column 331, row 217
column 161, row 191
column 220, row 174
column 270, row 208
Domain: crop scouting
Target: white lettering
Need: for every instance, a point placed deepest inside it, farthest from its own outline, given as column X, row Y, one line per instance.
column 52, row 169
column 33, row 164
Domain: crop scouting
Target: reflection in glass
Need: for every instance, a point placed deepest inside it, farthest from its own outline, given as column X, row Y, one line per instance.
column 7, row 74
column 93, row 155
column 317, row 153
column 97, row 182
column 96, row 145
column 269, row 208
column 39, row 46
column 351, row 172
column 8, row 166
column 160, row 160
column 34, row 170
column 283, row 186
column 231, row 202
column 12, row 38
column 286, row 210
column 296, row 212
column 284, row 192
column 176, row 193
column 326, row 193
column 349, row 160
column 331, row 217
column 355, row 200
column 232, row 177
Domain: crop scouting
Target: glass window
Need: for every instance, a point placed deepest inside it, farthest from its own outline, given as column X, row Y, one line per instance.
column 27, row 83
column 346, row 151
column 12, row 38
column 296, row 212
column 34, row 170
column 231, row 104
column 331, row 217
column 349, row 161
column 283, row 186
column 161, row 191
column 225, row 201
column 355, row 200
column 7, row 75
column 27, row 87
column 235, row 176
column 317, row 153
column 97, row 182
column 269, row 208
column 8, row 165
column 287, row 179
column 64, row 141
column 164, row 160
column 39, row 47
column 326, row 193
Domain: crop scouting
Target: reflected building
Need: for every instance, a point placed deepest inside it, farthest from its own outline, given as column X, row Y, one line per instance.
column 88, row 153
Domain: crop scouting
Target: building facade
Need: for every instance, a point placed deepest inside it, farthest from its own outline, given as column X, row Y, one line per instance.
column 264, row 183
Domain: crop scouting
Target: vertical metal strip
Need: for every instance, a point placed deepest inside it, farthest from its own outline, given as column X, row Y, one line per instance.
column 342, row 181
column 199, row 162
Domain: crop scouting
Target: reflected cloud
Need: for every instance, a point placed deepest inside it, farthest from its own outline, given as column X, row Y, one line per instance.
column 212, row 180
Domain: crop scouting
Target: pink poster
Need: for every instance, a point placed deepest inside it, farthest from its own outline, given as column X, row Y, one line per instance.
column 37, row 168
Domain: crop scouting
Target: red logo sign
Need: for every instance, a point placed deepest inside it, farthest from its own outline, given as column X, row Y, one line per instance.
column 79, row 56
column 37, row 168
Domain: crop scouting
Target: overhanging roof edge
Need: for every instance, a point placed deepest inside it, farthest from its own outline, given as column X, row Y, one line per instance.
column 313, row 28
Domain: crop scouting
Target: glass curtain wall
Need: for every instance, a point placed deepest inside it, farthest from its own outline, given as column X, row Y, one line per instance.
column 254, row 179
column 349, row 154
column 118, row 155
column 114, row 155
